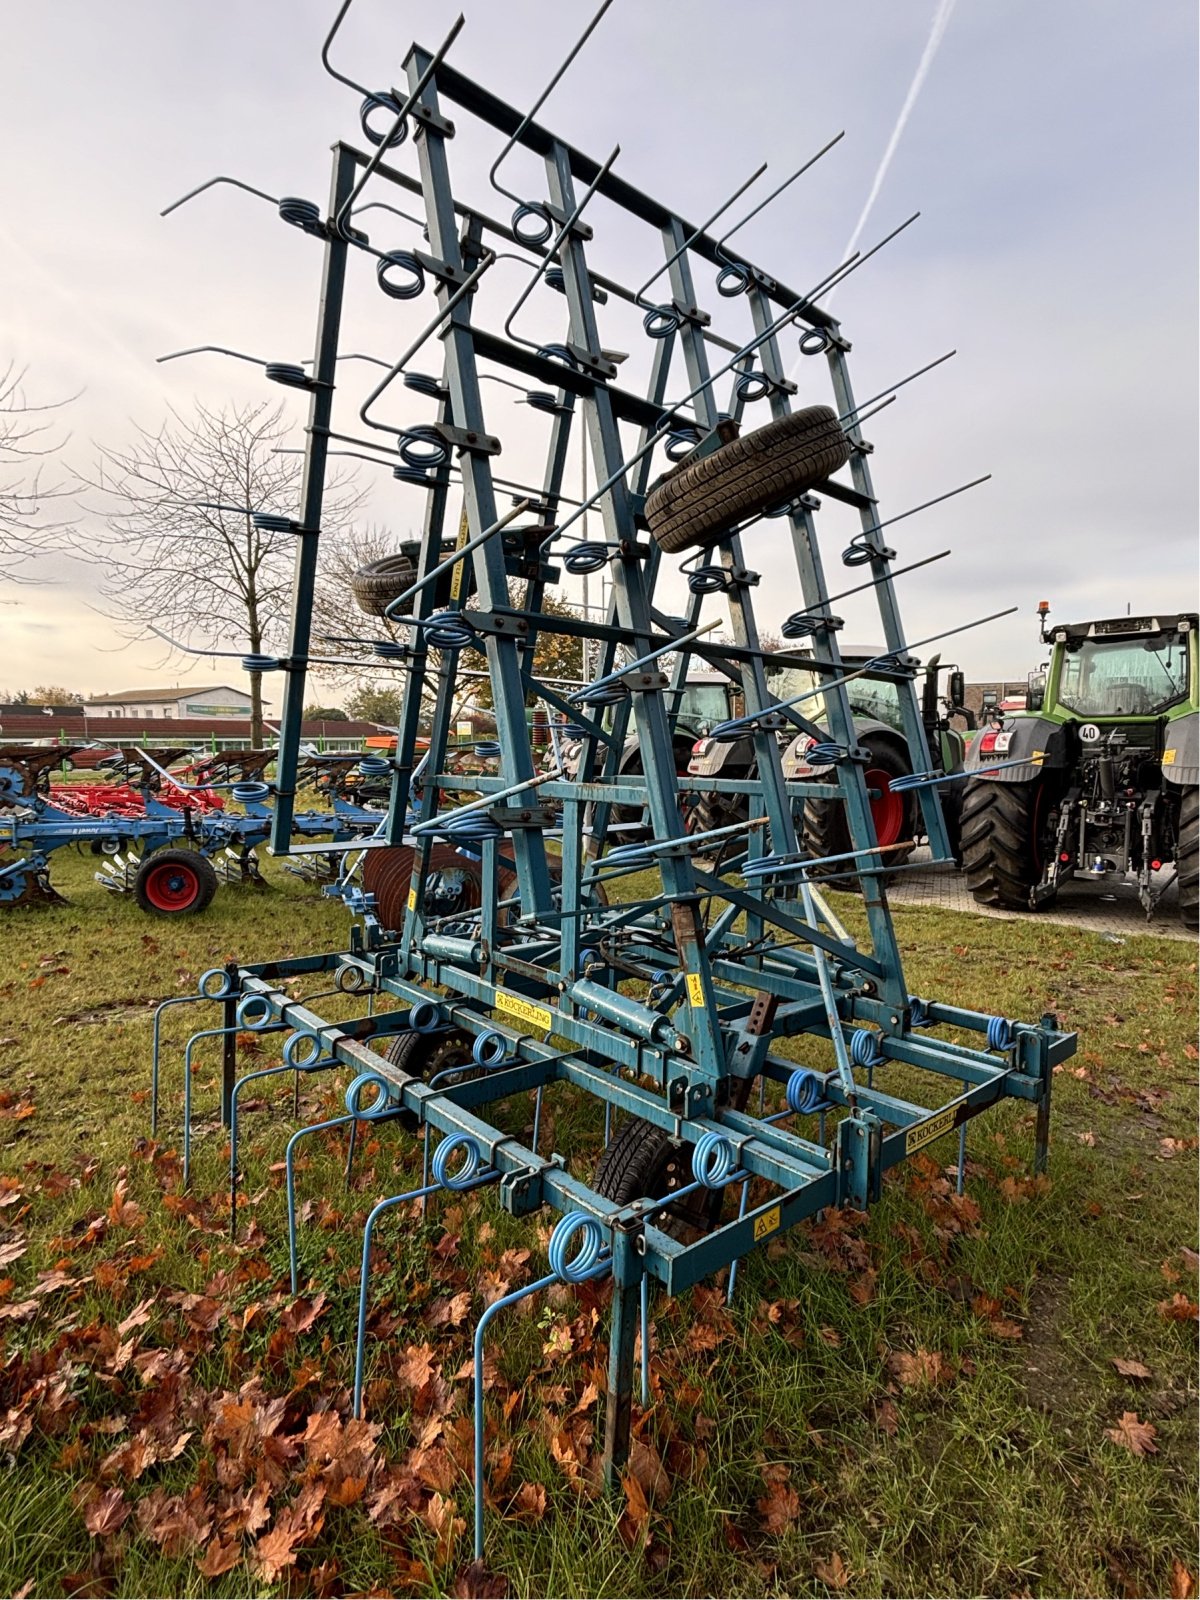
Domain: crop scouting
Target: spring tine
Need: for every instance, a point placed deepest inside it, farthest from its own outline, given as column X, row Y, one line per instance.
column 552, row 250
column 855, row 261
column 891, row 390
column 539, row 103
column 896, row 572
column 382, row 205
column 325, row 61
column 702, row 229
column 427, row 332
column 211, row 349
column 787, row 182
column 200, row 188
column 642, row 661
column 385, row 143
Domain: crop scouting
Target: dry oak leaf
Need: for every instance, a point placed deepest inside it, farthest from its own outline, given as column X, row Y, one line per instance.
column 1135, row 1436
column 1131, row 1369
column 1183, row 1583
column 645, row 1464
column 833, row 1572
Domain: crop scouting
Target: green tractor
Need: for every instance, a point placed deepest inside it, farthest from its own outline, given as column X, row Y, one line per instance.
column 1101, row 769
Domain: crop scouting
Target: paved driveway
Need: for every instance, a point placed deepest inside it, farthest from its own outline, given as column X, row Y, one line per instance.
column 1110, row 908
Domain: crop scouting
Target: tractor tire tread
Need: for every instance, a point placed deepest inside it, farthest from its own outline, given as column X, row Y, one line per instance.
column 997, row 845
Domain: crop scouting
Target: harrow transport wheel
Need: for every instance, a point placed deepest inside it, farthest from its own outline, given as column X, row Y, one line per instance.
column 1187, row 858
column 424, row 1055
column 377, row 584
column 175, row 883
column 701, row 500
column 641, row 1161
column 1001, row 843
column 827, row 832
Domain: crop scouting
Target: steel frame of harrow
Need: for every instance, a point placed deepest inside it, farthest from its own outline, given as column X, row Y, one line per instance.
column 552, row 971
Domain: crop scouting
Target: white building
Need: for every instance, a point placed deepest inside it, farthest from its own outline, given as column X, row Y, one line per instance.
column 215, row 700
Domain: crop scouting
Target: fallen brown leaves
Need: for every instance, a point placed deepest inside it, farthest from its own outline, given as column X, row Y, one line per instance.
column 921, row 1369
column 1134, row 1436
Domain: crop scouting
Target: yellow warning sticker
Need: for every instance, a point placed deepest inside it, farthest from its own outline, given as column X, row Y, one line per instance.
column 695, row 989
column 767, row 1223
column 926, row 1132
column 1168, row 759
column 456, row 572
column 515, row 1005
column 412, row 899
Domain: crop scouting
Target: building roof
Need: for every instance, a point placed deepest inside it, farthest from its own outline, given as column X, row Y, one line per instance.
column 133, row 730
column 180, row 691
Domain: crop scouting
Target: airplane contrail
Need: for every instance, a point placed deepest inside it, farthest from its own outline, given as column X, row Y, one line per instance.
column 941, row 21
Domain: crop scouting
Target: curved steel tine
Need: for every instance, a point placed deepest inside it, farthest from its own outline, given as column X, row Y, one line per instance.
column 385, row 143
column 427, row 332
column 775, row 193
column 200, row 188
column 702, row 229
column 382, row 205
column 539, row 103
column 552, row 251
column 189, row 649
column 325, row 61
column 891, row 390
column 856, row 260
column 211, row 349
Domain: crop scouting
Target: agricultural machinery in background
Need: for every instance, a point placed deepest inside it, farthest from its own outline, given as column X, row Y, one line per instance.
column 1101, row 772
column 168, row 838
column 882, row 749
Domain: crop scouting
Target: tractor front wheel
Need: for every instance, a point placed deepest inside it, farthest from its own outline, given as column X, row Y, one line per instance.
column 827, row 830
column 1001, row 841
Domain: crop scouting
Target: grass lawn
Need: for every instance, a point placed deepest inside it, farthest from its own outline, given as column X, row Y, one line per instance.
column 990, row 1396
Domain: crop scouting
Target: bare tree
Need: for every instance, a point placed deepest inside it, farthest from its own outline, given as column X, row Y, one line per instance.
column 178, row 541
column 25, row 448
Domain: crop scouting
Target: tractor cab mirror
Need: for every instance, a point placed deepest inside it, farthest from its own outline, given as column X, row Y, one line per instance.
column 991, row 700
column 1035, row 694
column 956, row 689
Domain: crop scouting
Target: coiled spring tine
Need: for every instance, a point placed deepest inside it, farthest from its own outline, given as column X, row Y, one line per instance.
column 739, row 266
column 537, row 106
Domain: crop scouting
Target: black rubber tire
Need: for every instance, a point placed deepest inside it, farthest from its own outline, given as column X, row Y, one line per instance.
column 423, row 1055
column 1001, row 851
column 377, row 584
column 827, row 832
column 716, row 810
column 638, row 1162
column 197, row 879
column 1187, row 859
column 701, row 500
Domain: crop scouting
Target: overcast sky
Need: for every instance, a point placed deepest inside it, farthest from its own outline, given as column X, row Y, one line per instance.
column 1050, row 150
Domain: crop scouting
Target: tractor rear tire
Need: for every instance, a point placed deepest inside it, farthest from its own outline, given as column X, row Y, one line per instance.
column 1000, row 844
column 702, row 500
column 827, row 831
column 175, row 883
column 1187, row 860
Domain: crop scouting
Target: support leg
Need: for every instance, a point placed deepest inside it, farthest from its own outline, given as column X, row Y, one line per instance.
column 626, row 1306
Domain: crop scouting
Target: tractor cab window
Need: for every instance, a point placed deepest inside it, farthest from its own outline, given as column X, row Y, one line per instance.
column 704, row 705
column 1124, row 677
column 871, row 697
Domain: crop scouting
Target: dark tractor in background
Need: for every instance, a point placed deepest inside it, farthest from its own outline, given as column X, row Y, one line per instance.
column 1108, row 753
column 875, row 703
